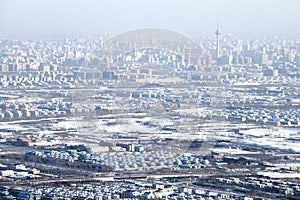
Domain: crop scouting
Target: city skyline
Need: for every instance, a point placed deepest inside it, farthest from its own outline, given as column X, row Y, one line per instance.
column 152, row 124
column 149, row 99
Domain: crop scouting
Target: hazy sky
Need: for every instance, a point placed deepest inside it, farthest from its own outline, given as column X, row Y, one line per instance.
column 252, row 17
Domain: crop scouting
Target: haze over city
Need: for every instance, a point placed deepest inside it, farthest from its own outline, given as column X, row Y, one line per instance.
column 140, row 99
column 191, row 17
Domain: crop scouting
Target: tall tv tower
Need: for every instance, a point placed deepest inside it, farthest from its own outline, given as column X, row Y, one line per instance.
column 218, row 41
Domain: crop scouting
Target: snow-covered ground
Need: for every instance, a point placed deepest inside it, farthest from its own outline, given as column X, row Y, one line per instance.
column 273, row 137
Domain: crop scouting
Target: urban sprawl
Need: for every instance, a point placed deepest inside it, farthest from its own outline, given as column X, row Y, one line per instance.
column 149, row 114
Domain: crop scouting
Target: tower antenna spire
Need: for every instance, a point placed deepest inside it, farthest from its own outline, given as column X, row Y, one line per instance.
column 218, row 41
